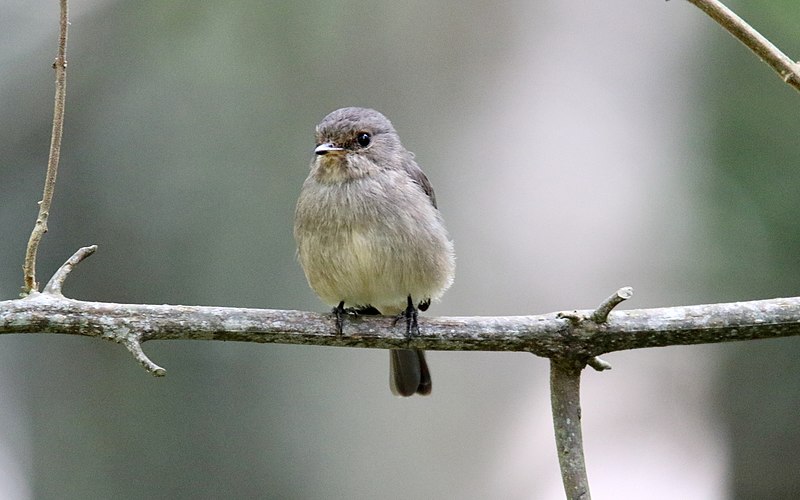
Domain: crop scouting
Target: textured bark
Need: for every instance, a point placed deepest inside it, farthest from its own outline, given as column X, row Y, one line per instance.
column 545, row 335
column 565, row 387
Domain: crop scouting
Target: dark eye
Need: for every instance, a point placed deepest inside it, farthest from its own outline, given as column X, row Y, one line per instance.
column 363, row 139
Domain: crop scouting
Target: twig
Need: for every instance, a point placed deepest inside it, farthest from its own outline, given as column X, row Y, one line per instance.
column 60, row 66
column 134, row 346
column 598, row 364
column 788, row 70
column 600, row 315
column 565, row 399
column 597, row 318
column 57, row 281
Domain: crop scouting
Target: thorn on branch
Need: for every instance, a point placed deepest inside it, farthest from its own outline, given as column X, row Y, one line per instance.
column 600, row 315
column 135, row 348
column 599, row 364
column 57, row 281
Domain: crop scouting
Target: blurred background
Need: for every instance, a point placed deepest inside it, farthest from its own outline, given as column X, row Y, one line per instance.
column 575, row 147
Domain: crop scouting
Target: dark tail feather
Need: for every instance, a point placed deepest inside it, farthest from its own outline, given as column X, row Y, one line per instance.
column 409, row 373
column 425, row 383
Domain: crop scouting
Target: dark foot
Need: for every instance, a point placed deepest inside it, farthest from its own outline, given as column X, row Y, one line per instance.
column 410, row 315
column 338, row 313
column 341, row 311
column 365, row 311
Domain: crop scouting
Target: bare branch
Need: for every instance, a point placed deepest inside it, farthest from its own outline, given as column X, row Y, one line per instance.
column 57, row 281
column 788, row 70
column 565, row 399
column 571, row 336
column 545, row 335
column 60, row 66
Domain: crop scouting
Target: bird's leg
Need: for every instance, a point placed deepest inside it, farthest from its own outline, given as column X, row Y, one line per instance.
column 339, row 312
column 410, row 315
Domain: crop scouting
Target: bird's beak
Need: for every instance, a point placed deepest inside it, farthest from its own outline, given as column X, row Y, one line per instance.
column 326, row 148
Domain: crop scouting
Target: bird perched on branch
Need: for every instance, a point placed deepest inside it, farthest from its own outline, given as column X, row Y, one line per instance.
column 369, row 235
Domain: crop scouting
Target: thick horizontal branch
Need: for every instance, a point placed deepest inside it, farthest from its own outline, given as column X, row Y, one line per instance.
column 548, row 335
column 573, row 338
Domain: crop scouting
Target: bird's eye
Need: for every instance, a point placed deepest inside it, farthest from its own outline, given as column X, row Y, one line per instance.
column 363, row 139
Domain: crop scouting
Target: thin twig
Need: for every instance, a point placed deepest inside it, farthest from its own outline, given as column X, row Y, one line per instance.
column 600, row 315
column 60, row 66
column 134, row 346
column 788, row 70
column 565, row 399
column 57, row 281
column 599, row 364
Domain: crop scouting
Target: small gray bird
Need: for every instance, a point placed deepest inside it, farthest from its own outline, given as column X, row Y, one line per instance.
column 369, row 235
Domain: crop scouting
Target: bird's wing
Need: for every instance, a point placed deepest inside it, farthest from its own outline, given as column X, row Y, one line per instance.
column 418, row 176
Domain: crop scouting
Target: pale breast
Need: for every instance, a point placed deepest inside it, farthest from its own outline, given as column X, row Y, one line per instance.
column 356, row 244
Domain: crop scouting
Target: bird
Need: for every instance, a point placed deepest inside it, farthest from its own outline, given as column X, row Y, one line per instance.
column 370, row 237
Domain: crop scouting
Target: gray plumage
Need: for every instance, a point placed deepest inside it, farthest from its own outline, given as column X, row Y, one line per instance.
column 368, row 231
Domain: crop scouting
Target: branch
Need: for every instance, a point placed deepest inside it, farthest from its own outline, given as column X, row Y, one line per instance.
column 788, row 70
column 57, row 281
column 545, row 335
column 598, row 317
column 564, row 336
column 565, row 397
column 565, row 388
column 60, row 67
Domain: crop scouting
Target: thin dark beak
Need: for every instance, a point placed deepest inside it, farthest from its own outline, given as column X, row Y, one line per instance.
column 326, row 148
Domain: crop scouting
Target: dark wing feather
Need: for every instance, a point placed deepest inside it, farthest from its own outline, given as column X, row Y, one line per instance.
column 418, row 176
